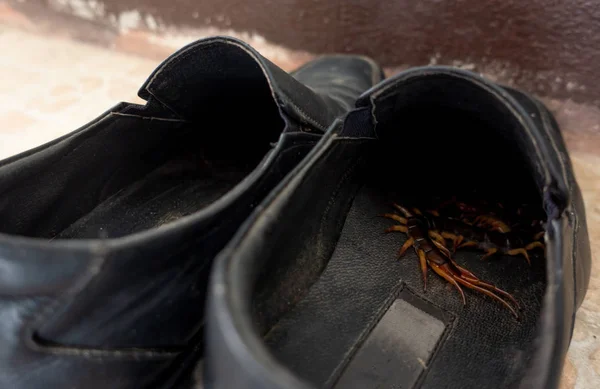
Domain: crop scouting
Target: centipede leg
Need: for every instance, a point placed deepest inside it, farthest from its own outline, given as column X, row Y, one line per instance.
column 445, row 273
column 464, row 271
column 456, row 239
column 423, row 263
column 481, row 221
column 449, row 235
column 469, row 243
column 495, row 289
column 397, row 228
column 488, row 293
column 539, row 235
column 404, row 211
column 442, row 248
column 409, row 242
column 437, row 237
column 489, row 252
column 520, row 251
column 534, row 245
column 467, row 275
column 395, row 217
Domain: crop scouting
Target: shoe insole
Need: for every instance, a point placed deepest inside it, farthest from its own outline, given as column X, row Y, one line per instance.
column 175, row 189
column 367, row 323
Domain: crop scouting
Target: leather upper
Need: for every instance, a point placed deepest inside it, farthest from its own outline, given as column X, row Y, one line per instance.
column 234, row 343
column 568, row 250
column 128, row 312
column 319, row 92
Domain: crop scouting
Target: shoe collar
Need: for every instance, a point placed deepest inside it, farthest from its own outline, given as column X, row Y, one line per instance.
column 538, row 141
column 188, row 75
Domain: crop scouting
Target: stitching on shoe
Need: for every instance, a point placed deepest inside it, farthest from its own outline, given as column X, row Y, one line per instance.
column 561, row 158
column 132, row 354
column 182, row 56
column 70, row 137
column 332, row 199
column 281, row 190
column 374, row 117
column 100, row 132
column 268, row 76
column 336, row 191
column 546, row 125
column 150, row 117
column 28, row 333
column 303, row 114
column 136, row 354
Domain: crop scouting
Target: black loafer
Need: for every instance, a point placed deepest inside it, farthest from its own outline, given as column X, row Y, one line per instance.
column 311, row 293
column 107, row 234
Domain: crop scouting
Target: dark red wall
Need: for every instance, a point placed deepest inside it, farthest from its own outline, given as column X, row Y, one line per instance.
column 536, row 40
column 549, row 47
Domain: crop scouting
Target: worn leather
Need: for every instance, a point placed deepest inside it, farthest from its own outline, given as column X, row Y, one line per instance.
column 128, row 312
column 318, row 93
column 239, row 315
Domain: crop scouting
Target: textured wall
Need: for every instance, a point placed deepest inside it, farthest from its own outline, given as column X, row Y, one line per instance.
column 550, row 46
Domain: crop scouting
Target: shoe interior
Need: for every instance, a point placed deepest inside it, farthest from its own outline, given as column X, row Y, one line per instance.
column 338, row 307
column 128, row 173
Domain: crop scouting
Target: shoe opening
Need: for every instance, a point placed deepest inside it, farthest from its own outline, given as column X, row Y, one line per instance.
column 443, row 147
column 126, row 173
column 447, row 135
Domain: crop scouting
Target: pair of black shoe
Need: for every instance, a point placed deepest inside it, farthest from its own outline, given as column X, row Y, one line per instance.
column 108, row 235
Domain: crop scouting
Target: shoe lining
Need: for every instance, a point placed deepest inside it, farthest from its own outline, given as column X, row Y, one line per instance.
column 322, row 333
column 126, row 173
column 328, row 319
column 178, row 188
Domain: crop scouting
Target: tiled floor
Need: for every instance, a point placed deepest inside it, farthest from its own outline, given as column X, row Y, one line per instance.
column 51, row 86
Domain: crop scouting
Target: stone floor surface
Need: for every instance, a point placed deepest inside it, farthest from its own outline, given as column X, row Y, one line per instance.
column 51, row 86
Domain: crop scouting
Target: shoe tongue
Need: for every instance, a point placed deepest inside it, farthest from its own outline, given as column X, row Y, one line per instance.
column 210, row 70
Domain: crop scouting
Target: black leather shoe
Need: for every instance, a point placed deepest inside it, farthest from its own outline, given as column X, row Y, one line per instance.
column 107, row 234
column 311, row 293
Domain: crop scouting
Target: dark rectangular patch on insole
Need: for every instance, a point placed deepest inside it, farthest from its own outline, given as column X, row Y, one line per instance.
column 399, row 347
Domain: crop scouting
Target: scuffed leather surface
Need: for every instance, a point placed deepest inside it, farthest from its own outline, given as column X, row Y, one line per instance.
column 129, row 313
column 224, row 367
column 340, row 77
column 154, row 282
column 540, row 357
column 313, row 339
column 74, row 159
column 485, row 342
column 170, row 271
column 319, row 92
column 576, row 215
column 283, row 283
column 24, row 363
